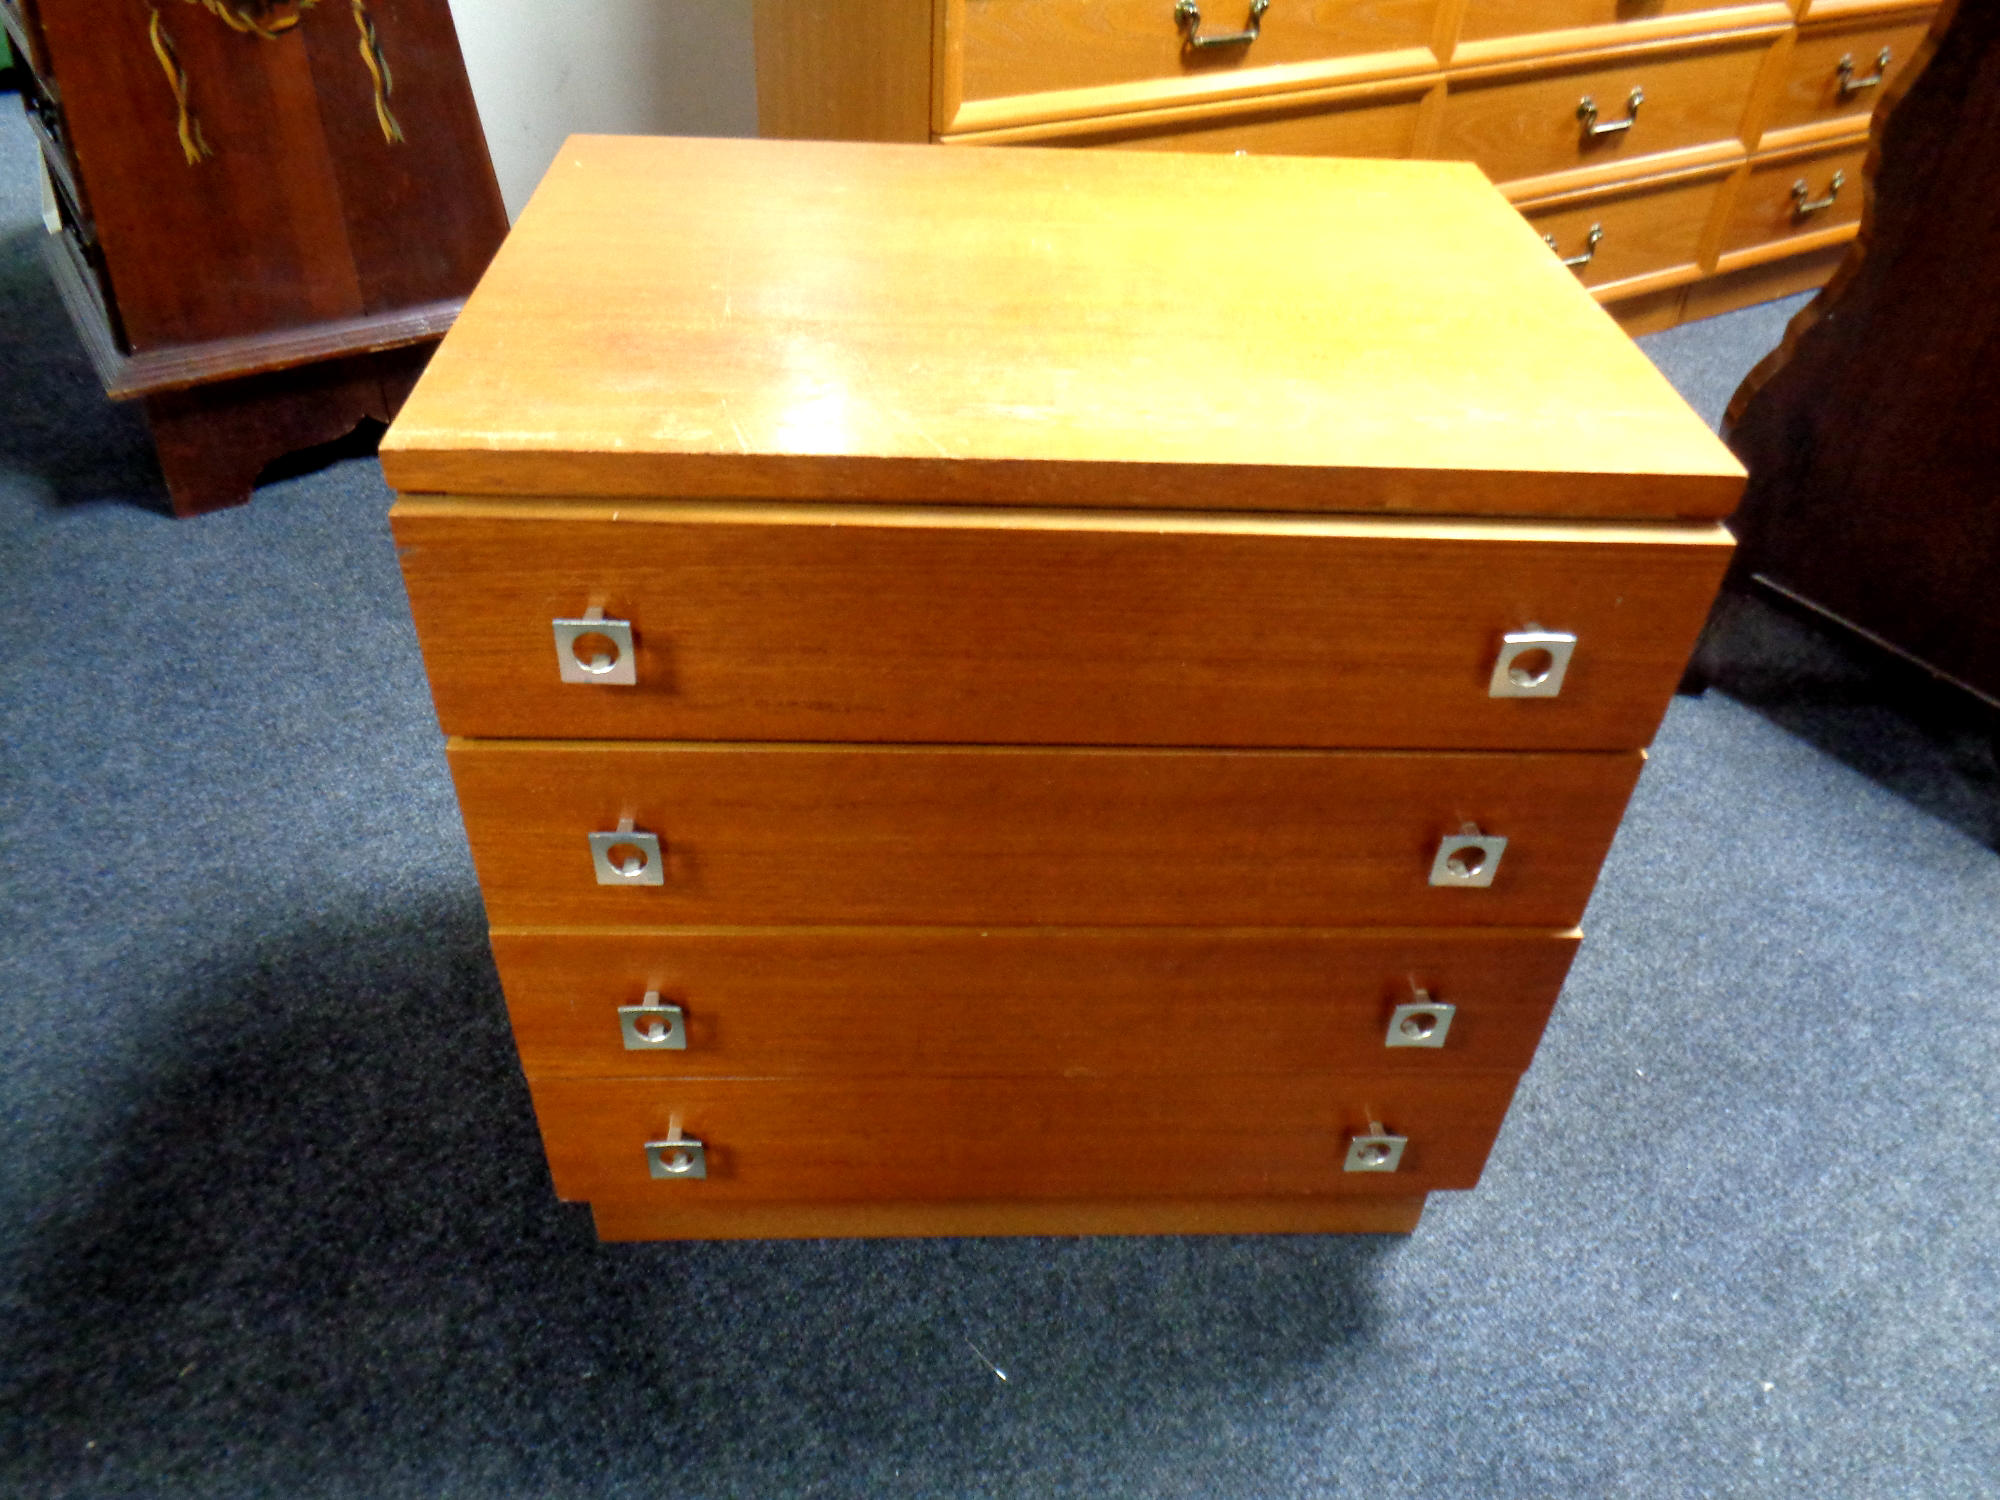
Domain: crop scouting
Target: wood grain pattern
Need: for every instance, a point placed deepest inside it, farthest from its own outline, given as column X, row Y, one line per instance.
column 1527, row 127
column 1035, row 327
column 652, row 1219
column 1810, row 92
column 938, row 1002
column 1024, row 627
column 1013, row 47
column 656, row 1219
column 915, row 1139
column 1507, row 18
column 1652, row 234
column 1377, row 126
column 760, row 834
column 1764, row 210
column 1782, row 277
column 843, row 70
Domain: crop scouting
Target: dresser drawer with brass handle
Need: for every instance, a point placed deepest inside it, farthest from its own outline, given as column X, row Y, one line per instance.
column 1793, row 196
column 1596, row 121
column 887, row 1002
column 931, row 1139
column 1014, row 61
column 762, row 834
column 1836, row 76
column 836, row 623
column 1630, row 241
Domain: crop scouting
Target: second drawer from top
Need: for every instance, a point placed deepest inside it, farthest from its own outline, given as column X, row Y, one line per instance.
column 958, row 626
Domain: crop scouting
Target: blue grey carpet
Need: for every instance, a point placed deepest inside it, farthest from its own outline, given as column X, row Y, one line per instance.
column 273, row 1220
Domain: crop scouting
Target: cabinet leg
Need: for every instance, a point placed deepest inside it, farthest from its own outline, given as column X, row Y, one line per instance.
column 214, row 440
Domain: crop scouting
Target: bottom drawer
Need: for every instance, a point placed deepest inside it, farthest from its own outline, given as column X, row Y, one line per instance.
column 917, row 1139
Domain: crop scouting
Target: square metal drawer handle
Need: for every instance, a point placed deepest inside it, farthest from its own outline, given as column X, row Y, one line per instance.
column 1467, row 857
column 1531, row 663
column 595, row 651
column 1420, row 1022
column 684, row 1159
column 627, row 857
column 653, row 1026
column 1377, row 1151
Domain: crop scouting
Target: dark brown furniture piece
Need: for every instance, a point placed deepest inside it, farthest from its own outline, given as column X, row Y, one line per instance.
column 1872, row 433
column 266, row 211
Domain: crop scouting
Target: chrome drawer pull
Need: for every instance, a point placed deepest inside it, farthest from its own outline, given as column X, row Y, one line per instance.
column 653, row 1026
column 596, row 651
column 1849, row 84
column 1420, row 1022
column 1377, row 1151
column 1467, row 857
column 627, row 857
column 1589, row 247
column 1804, row 204
column 681, row 1157
column 1531, row 663
column 1587, row 112
column 1187, row 15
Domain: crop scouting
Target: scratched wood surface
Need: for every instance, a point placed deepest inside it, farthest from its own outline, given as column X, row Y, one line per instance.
column 838, row 320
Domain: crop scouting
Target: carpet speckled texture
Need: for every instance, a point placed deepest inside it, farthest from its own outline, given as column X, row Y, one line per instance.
column 273, row 1218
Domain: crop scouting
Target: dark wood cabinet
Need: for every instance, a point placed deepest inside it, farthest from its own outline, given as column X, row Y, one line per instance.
column 1872, row 434
column 268, row 212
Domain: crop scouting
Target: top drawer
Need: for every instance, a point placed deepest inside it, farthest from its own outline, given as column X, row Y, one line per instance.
column 1015, row 59
column 873, row 624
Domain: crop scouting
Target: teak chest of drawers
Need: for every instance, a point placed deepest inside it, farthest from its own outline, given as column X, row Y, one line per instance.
column 992, row 693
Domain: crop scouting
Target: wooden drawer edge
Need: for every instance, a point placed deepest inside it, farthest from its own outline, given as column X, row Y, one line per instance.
column 647, row 1220
column 1785, row 249
column 1411, row 66
column 1689, row 161
column 1695, row 533
column 1546, row 49
column 1612, row 46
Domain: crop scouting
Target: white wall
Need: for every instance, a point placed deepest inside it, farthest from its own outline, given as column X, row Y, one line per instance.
column 542, row 69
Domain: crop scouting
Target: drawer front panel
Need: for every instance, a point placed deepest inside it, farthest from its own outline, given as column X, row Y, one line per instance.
column 1520, row 128
column 1817, row 90
column 756, row 835
column 857, row 1002
column 1009, row 48
column 1376, row 128
column 974, row 1138
column 949, row 629
column 1487, row 19
column 1643, row 234
column 1770, row 209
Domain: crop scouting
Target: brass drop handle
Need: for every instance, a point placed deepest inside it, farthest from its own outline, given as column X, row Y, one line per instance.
column 1187, row 15
column 1589, row 247
column 1849, row 84
column 1803, row 203
column 1587, row 112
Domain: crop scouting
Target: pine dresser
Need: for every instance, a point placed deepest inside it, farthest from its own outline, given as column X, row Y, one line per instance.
column 1682, row 156
column 1033, row 691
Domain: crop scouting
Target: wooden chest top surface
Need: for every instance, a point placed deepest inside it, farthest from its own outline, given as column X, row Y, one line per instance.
column 822, row 320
